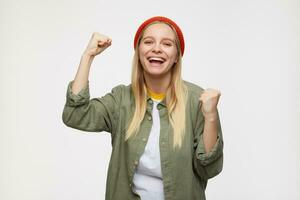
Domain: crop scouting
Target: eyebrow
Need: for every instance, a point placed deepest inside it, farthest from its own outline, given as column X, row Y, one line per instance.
column 165, row 38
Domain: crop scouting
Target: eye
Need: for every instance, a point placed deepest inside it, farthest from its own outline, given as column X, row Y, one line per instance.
column 168, row 44
column 148, row 42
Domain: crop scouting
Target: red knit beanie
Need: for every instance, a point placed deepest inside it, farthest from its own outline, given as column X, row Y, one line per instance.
column 160, row 19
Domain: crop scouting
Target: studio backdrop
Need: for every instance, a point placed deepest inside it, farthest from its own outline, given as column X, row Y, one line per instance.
column 249, row 50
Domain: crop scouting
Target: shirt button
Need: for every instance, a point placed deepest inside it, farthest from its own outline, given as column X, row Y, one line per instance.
column 136, row 162
column 130, row 184
column 162, row 143
column 144, row 139
column 149, row 118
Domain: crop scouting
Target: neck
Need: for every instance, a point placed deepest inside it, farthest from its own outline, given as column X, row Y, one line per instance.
column 158, row 84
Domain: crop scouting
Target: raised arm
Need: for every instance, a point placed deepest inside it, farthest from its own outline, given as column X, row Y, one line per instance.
column 97, row 44
column 81, row 112
column 208, row 160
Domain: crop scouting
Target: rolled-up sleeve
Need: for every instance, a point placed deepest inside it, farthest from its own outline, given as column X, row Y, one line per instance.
column 207, row 164
column 93, row 115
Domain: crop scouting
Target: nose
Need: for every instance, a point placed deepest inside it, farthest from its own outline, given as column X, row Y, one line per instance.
column 156, row 47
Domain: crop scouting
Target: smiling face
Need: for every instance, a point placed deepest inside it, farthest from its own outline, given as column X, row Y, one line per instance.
column 157, row 50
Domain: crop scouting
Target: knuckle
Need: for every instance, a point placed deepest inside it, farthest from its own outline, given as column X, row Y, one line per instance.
column 94, row 34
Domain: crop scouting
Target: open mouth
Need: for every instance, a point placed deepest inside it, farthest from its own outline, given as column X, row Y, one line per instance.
column 156, row 61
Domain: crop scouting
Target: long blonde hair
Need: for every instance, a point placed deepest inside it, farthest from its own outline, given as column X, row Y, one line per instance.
column 176, row 96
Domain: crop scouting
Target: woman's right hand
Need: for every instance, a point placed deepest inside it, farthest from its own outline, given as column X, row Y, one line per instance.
column 97, row 44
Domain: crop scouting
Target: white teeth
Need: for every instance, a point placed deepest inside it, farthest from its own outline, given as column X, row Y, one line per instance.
column 156, row 59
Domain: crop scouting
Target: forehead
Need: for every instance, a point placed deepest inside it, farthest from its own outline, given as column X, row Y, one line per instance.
column 159, row 30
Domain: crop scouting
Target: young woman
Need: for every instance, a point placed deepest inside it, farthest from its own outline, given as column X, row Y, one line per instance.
column 166, row 132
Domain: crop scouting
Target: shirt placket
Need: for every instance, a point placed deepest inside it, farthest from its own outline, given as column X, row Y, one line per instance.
column 164, row 146
column 141, row 140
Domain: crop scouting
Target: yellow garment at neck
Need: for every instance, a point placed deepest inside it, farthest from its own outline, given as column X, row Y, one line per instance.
column 154, row 95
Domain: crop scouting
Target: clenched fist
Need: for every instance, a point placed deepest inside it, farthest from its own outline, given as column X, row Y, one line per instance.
column 97, row 44
column 209, row 98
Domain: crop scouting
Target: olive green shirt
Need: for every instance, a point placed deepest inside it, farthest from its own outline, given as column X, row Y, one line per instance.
column 185, row 171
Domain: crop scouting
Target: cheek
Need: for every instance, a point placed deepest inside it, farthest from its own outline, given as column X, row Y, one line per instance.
column 142, row 53
column 141, row 58
column 172, row 52
column 174, row 56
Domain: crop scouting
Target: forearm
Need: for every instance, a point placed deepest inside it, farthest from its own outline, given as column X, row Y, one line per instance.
column 82, row 74
column 210, row 132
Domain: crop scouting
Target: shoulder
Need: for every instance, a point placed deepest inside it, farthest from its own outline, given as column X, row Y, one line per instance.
column 193, row 94
column 121, row 88
column 193, row 89
column 122, row 91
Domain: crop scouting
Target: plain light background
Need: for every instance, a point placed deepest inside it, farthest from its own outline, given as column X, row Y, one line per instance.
column 249, row 50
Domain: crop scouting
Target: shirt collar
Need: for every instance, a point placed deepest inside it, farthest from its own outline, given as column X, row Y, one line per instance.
column 157, row 96
column 162, row 102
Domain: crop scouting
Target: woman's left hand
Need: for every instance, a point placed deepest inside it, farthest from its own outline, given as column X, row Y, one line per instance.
column 209, row 98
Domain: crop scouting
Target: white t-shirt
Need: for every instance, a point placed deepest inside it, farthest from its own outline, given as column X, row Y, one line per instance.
column 147, row 180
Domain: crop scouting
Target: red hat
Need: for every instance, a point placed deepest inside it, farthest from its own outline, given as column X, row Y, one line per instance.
column 161, row 19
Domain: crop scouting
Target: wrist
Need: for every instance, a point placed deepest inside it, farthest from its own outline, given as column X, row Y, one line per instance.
column 212, row 116
column 88, row 59
column 86, row 55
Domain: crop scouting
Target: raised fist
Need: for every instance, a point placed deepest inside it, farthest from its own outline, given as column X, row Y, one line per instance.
column 209, row 98
column 97, row 44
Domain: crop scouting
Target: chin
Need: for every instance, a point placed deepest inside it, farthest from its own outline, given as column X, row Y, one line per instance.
column 155, row 70
column 155, row 73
